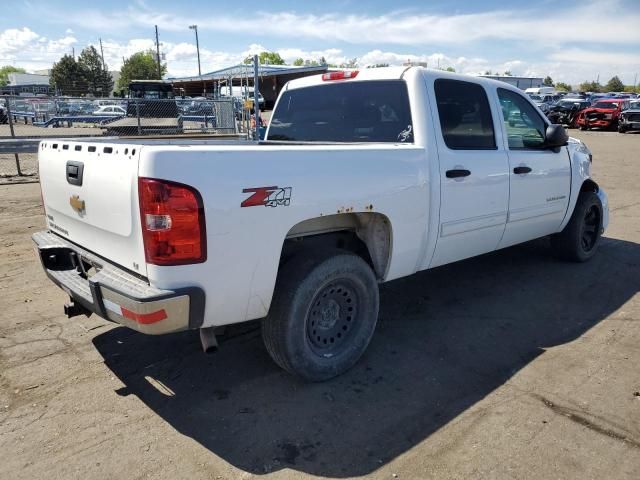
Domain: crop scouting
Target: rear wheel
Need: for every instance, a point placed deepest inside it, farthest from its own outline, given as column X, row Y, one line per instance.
column 323, row 315
column 579, row 240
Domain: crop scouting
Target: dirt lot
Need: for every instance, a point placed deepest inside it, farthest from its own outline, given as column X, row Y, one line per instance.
column 512, row 365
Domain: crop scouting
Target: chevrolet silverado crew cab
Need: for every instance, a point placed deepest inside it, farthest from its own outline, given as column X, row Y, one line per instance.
column 363, row 177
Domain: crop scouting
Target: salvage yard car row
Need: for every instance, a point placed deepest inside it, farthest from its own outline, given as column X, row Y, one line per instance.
column 621, row 112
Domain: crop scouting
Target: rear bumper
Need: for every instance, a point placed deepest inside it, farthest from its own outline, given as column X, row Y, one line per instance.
column 114, row 294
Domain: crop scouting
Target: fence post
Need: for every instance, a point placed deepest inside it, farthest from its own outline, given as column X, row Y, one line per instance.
column 13, row 133
column 138, row 115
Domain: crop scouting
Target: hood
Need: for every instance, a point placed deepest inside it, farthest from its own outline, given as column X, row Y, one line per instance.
column 632, row 110
column 599, row 110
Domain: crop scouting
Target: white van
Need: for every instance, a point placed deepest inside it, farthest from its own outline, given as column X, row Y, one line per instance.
column 540, row 91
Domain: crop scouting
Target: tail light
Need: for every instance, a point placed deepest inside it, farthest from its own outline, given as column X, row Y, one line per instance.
column 342, row 75
column 173, row 226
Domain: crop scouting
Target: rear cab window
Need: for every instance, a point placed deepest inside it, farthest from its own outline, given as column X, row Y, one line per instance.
column 349, row 112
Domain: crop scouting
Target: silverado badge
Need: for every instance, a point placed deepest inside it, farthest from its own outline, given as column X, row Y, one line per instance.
column 77, row 204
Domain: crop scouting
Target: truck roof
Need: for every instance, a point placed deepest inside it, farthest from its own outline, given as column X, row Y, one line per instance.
column 393, row 73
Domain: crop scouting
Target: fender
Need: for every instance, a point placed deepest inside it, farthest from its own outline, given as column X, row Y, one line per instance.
column 580, row 158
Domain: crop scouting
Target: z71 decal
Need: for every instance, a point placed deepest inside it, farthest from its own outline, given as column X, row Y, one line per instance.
column 267, row 196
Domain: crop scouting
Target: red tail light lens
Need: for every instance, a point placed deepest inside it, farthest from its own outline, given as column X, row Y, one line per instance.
column 173, row 226
column 342, row 75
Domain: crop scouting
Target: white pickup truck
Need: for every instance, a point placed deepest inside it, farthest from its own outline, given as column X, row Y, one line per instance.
column 364, row 177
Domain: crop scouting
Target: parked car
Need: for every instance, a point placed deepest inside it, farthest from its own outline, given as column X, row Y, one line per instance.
column 629, row 118
column 602, row 114
column 110, row 111
column 396, row 170
column 566, row 110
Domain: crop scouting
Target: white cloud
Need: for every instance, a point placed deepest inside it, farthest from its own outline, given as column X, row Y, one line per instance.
column 402, row 28
column 13, row 41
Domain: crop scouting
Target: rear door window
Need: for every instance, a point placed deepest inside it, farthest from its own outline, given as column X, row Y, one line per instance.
column 366, row 111
column 465, row 116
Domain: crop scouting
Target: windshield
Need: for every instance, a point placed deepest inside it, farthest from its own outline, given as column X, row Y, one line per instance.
column 634, row 105
column 609, row 105
column 372, row 111
column 536, row 98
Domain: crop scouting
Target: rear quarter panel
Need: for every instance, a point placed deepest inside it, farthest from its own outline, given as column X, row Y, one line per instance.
column 244, row 243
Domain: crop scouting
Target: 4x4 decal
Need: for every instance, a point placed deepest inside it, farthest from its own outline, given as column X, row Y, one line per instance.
column 267, row 196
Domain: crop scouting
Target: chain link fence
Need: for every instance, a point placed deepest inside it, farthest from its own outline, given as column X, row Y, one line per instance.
column 40, row 117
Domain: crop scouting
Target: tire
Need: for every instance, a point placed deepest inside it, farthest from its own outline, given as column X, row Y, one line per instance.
column 323, row 314
column 579, row 240
column 583, row 128
column 621, row 129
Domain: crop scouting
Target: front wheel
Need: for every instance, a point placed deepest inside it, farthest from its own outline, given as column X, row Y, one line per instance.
column 323, row 315
column 579, row 240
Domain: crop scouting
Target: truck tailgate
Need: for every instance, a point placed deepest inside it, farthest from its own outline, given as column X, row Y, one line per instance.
column 90, row 195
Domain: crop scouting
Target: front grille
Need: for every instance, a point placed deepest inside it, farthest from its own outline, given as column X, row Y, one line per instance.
column 634, row 117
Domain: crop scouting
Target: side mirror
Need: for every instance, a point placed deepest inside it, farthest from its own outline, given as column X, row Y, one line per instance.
column 556, row 136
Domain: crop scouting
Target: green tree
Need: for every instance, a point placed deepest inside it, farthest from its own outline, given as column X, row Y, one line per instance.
column 67, row 77
column 507, row 73
column 322, row 61
column 298, row 62
column 450, row 69
column 99, row 81
column 267, row 58
column 140, row 66
column 563, row 86
column 548, row 81
column 488, row 72
column 378, row 65
column 614, row 85
column 590, row 87
column 6, row 70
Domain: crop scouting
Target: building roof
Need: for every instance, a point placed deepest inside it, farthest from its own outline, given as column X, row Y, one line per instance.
column 246, row 70
column 18, row 79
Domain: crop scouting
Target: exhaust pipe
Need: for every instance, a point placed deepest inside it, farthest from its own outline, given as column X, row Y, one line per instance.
column 208, row 339
column 73, row 309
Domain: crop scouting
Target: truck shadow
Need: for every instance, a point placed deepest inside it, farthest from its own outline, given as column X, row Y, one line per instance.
column 446, row 339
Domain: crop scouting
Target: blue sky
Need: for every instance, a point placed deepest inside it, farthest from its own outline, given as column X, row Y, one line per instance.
column 570, row 40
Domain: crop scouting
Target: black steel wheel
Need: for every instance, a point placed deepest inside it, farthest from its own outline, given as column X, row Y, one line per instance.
column 333, row 317
column 590, row 228
column 323, row 314
column 579, row 240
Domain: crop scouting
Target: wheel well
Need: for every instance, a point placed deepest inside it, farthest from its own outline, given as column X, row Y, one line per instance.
column 365, row 234
column 589, row 186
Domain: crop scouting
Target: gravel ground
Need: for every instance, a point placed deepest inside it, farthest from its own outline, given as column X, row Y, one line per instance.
column 511, row 365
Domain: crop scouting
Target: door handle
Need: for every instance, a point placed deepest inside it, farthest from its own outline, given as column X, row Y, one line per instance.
column 457, row 173
column 521, row 170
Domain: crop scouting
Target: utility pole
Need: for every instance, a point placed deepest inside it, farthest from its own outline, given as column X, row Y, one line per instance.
column 256, row 94
column 102, row 54
column 158, row 54
column 195, row 27
column 73, row 52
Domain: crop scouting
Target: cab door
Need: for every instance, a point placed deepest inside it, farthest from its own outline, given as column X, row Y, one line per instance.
column 539, row 177
column 474, row 171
